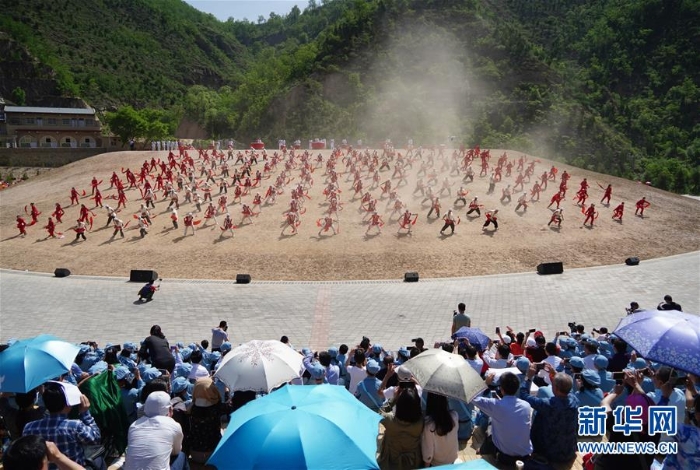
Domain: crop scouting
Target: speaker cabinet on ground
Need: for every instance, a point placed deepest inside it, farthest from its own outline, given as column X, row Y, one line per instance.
column 410, row 277
column 243, row 279
column 61, row 272
column 140, row 275
column 632, row 261
column 550, row 268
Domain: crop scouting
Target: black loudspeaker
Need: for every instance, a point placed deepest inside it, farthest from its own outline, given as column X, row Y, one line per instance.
column 242, row 278
column 61, row 272
column 140, row 275
column 550, row 268
column 632, row 261
column 410, row 277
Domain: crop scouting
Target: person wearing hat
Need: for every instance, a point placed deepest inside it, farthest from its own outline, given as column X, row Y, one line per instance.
column 589, row 392
column 130, row 386
column 70, row 435
column 368, row 389
column 606, row 380
column 205, row 424
column 155, row 439
column 317, row 373
column 639, row 364
column 554, row 431
column 590, row 349
column 219, row 335
column 669, row 304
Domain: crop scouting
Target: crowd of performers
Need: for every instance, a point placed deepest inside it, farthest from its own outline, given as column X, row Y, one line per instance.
column 211, row 183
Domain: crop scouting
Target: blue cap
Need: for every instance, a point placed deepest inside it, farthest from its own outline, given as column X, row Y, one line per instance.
column 333, row 351
column 225, row 347
column 84, row 348
column 523, row 364
column 97, row 368
column 150, row 374
column 316, row 370
column 403, row 351
column 213, row 357
column 121, row 373
column 179, row 384
column 129, row 346
column 600, row 361
column 372, row 367
column 183, row 370
column 180, row 345
column 306, row 351
column 591, row 376
column 185, row 353
column 577, row 362
column 377, row 348
column 639, row 363
column 593, row 342
column 585, row 337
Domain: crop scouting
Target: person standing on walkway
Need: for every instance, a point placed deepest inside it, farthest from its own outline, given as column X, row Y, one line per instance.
column 219, row 336
column 460, row 318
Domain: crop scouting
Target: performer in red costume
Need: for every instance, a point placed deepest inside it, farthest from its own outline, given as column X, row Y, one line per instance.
column 22, row 226
column 450, row 222
column 375, row 221
column 607, row 195
column 558, row 197
column 58, row 213
column 435, row 207
column 74, row 197
column 557, row 217
column 189, row 223
column 491, row 218
column 474, row 207
column 292, row 221
column 591, row 214
column 326, row 223
column 51, row 228
column 406, row 221
column 641, row 205
column 34, row 213
column 619, row 211
column 522, row 202
column 228, row 225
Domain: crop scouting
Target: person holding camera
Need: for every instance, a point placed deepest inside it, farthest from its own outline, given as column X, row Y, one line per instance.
column 219, row 336
column 33, row 452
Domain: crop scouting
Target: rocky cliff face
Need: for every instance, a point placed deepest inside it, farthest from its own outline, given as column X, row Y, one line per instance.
column 19, row 69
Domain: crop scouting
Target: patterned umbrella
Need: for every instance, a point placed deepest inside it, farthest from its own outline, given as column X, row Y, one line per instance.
column 665, row 336
column 259, row 366
column 475, row 336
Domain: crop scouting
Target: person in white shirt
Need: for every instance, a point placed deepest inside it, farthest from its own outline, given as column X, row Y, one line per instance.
column 439, row 441
column 552, row 359
column 499, row 357
column 357, row 371
column 198, row 370
column 473, row 358
column 155, row 440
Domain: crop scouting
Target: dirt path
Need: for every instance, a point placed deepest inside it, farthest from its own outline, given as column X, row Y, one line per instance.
column 522, row 241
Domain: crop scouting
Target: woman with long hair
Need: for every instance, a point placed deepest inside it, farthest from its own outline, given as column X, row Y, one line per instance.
column 400, row 447
column 439, row 441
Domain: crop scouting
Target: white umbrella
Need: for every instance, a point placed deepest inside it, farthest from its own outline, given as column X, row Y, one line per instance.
column 259, row 366
column 447, row 374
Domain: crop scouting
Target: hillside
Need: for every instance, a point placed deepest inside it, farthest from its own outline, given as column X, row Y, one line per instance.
column 111, row 52
column 611, row 86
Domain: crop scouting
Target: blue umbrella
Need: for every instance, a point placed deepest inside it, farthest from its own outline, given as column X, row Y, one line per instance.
column 479, row 464
column 667, row 337
column 29, row 363
column 300, row 426
column 475, row 336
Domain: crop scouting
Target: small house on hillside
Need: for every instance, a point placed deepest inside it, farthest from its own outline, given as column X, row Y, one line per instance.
column 44, row 127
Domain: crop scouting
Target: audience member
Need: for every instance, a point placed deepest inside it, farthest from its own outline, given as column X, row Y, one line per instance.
column 555, row 424
column 32, row 452
column 368, row 390
column 156, row 349
column 70, row 435
column 205, row 419
column 400, row 447
column 219, row 336
column 439, row 440
column 356, row 371
column 510, row 422
column 155, row 440
column 669, row 304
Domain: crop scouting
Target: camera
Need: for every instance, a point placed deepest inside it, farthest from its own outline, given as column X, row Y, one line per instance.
column 539, row 366
column 408, row 384
column 572, row 326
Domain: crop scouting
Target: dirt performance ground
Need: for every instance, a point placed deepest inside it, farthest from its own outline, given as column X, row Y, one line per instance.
column 522, row 242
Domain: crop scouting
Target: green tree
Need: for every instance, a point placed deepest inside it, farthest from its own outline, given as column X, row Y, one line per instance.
column 19, row 96
column 127, row 123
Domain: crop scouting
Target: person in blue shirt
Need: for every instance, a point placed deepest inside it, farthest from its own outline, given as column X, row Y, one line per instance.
column 130, row 385
column 589, row 392
column 554, row 431
column 368, row 389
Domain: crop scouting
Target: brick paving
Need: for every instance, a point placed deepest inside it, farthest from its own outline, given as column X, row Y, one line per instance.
column 320, row 314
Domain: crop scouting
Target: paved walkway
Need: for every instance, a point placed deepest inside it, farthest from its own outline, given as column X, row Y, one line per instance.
column 320, row 314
